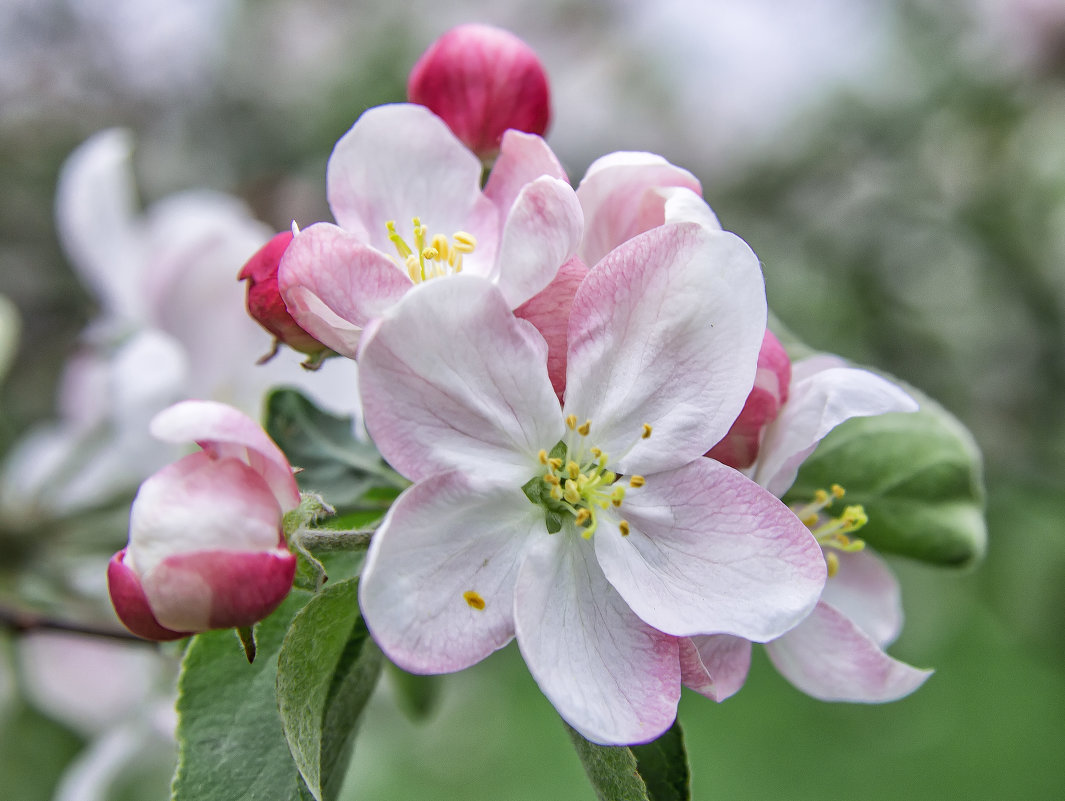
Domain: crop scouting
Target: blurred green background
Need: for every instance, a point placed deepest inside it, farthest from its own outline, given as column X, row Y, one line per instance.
column 899, row 167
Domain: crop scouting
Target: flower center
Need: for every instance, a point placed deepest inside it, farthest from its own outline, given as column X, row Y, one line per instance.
column 832, row 533
column 433, row 256
column 578, row 484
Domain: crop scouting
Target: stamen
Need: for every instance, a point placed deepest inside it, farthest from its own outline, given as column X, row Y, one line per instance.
column 623, row 527
column 464, row 242
column 571, row 421
column 573, row 469
column 646, row 431
column 583, row 516
column 584, row 428
column 542, row 456
column 637, row 481
column 474, row 599
column 832, row 562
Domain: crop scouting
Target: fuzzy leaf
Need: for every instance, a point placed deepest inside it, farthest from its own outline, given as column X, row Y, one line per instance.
column 326, row 671
column 349, row 472
column 919, row 477
column 663, row 765
column 230, row 741
column 611, row 769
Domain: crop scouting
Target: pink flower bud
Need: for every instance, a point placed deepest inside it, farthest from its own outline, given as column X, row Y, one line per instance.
column 206, row 546
column 481, row 81
column 739, row 448
column 265, row 304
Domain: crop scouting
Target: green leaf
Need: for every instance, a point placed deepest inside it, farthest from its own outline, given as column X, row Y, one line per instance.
column 919, row 477
column 35, row 750
column 663, row 764
column 349, row 472
column 231, row 746
column 326, row 671
column 611, row 769
column 416, row 695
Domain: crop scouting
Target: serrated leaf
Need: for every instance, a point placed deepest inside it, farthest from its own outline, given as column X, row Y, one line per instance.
column 663, row 765
column 327, row 669
column 231, row 745
column 919, row 477
column 611, row 769
column 333, row 462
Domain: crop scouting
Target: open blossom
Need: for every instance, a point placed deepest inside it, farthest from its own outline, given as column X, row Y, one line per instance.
column 595, row 534
column 482, row 80
column 837, row 653
column 206, row 546
column 408, row 200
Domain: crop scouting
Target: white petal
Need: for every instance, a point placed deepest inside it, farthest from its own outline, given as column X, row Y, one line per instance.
column 716, row 665
column 817, row 403
column 451, row 379
column 831, row 659
column 665, row 330
column 711, row 552
column 867, row 592
column 610, row 676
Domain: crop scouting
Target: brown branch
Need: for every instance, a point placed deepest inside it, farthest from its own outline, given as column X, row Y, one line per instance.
column 22, row 622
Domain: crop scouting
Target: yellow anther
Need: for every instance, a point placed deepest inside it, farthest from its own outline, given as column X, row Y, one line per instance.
column 598, row 454
column 832, row 562
column 570, row 492
column 542, row 456
column 430, row 254
column 646, row 431
column 623, row 527
column 583, row 516
column 439, row 244
column 464, row 242
column 618, row 495
column 573, row 469
column 556, row 492
column 810, row 521
column 637, row 481
column 552, row 479
column 821, row 498
column 414, row 268
column 556, row 463
column 838, row 491
column 571, row 421
column 854, row 517
column 584, row 428
column 474, row 599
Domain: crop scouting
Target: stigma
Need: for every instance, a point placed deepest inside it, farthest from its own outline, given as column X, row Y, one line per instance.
column 430, row 257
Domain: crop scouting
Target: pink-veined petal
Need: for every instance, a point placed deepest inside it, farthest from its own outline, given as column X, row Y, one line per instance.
column 665, row 330
column 219, row 589
column 201, row 503
column 715, row 665
column 549, row 312
column 867, row 592
column 711, row 552
column 817, row 403
column 438, row 586
column 477, row 398
column 225, row 432
column 681, row 204
column 540, row 234
column 334, row 285
column 397, row 162
column 619, row 198
column 612, row 677
column 131, row 604
column 522, row 159
column 829, row 658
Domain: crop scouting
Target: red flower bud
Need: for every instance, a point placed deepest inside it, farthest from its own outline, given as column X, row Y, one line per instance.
column 481, row 81
column 265, row 304
column 739, row 448
column 206, row 548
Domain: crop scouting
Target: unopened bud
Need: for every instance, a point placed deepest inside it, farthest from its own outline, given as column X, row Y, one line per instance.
column 264, row 301
column 481, row 81
column 739, row 448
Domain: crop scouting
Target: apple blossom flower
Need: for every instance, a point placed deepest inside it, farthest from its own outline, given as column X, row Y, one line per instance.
column 407, row 196
column 837, row 653
column 596, row 534
column 172, row 326
column 482, row 80
column 206, row 544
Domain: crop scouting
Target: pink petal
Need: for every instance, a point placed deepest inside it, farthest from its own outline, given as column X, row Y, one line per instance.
column 665, row 330
column 610, row 676
column 131, row 604
column 523, row 158
column 225, row 432
column 817, row 403
column 398, row 162
column 201, row 503
column 477, row 398
column 438, row 586
column 716, row 665
column 549, row 312
column 710, row 552
column 829, row 658
column 541, row 232
column 867, row 592
column 619, row 199
column 219, row 589
column 334, row 285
